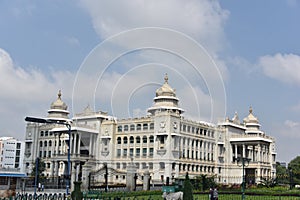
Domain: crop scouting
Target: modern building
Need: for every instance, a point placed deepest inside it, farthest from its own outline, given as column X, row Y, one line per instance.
column 11, row 152
column 164, row 143
column 11, row 165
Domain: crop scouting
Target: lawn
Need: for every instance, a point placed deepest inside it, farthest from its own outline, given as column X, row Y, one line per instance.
column 221, row 197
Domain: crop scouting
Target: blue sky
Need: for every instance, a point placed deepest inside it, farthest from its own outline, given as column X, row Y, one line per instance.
column 254, row 44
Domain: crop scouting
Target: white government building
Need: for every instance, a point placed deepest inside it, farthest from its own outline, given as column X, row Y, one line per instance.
column 163, row 142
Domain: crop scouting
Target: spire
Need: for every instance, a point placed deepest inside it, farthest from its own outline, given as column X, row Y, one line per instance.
column 250, row 110
column 59, row 95
column 166, row 78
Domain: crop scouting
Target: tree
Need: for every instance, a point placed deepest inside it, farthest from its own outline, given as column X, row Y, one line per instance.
column 204, row 182
column 294, row 170
column 282, row 176
column 40, row 164
column 187, row 188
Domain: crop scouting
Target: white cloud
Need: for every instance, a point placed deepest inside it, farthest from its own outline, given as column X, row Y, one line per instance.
column 202, row 20
column 27, row 92
column 290, row 129
column 283, row 67
column 291, row 124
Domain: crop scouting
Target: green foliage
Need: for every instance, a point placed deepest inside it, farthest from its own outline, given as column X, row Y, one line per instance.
column 282, row 176
column 294, row 169
column 41, row 167
column 204, row 182
column 77, row 194
column 268, row 182
column 187, row 188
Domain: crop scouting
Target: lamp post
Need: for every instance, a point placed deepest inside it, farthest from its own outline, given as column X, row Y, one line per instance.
column 243, row 162
column 67, row 123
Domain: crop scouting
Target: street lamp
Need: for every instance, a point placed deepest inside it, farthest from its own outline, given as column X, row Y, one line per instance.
column 65, row 122
column 243, row 162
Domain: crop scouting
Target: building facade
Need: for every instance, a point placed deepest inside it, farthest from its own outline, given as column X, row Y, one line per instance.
column 164, row 143
column 12, row 153
column 11, row 165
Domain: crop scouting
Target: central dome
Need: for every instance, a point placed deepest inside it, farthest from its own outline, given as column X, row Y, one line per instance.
column 165, row 89
column 59, row 104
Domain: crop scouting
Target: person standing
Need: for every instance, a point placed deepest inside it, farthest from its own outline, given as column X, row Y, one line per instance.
column 215, row 194
column 211, row 194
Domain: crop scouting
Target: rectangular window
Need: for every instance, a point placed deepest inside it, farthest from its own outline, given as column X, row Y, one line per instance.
column 125, row 152
column 131, row 152
column 151, row 126
column 119, row 128
column 118, row 152
column 151, row 152
column 132, row 127
column 144, row 151
column 137, row 152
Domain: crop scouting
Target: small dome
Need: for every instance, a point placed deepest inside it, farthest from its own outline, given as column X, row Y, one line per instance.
column 165, row 89
column 251, row 118
column 59, row 104
column 58, row 108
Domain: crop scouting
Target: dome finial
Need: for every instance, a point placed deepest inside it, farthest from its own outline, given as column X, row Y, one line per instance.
column 250, row 110
column 166, row 78
column 59, row 94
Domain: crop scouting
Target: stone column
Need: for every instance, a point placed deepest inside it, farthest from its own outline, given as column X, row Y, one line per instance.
column 130, row 177
column 253, row 153
column 235, row 152
column 86, row 170
column 73, row 177
column 259, row 153
column 146, row 181
column 57, row 143
column 78, row 142
column 74, row 143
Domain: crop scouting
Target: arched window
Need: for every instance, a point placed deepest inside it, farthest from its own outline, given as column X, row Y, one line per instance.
column 151, row 139
column 41, row 144
column 125, row 140
column 119, row 140
column 138, row 127
column 131, row 140
column 126, row 128
column 50, row 143
column 138, row 139
column 145, row 126
column 45, row 143
column 144, row 139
